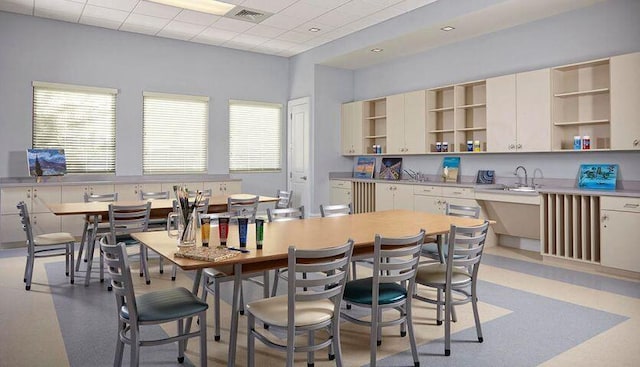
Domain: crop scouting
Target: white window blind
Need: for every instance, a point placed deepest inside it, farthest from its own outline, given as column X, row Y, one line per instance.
column 174, row 133
column 80, row 120
column 255, row 135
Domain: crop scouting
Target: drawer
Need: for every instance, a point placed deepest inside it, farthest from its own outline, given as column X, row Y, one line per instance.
column 341, row 184
column 620, row 203
column 427, row 190
column 458, row 192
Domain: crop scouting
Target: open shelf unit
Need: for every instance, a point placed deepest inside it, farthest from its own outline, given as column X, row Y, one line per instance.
column 470, row 115
column 440, row 117
column 581, row 104
column 375, row 125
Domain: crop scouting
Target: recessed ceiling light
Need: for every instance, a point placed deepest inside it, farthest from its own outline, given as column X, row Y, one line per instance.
column 314, row 29
column 376, row 50
column 205, row 6
column 447, row 28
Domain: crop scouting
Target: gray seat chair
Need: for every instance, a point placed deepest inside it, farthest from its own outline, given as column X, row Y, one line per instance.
column 45, row 245
column 283, row 215
column 285, row 199
column 395, row 262
column 431, row 250
column 102, row 227
column 243, row 207
column 459, row 274
column 310, row 304
column 205, row 193
column 127, row 219
column 153, row 308
column 156, row 224
column 335, row 210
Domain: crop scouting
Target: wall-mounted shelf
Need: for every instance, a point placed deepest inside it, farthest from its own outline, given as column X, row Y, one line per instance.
column 590, row 122
column 375, row 125
column 376, row 117
column 582, row 92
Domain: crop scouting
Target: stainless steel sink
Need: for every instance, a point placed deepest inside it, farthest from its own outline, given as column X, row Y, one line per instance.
column 521, row 189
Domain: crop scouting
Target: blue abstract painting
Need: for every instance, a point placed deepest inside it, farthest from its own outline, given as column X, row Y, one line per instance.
column 598, row 176
column 46, row 162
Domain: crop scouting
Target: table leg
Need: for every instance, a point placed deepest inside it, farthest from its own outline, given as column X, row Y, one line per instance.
column 91, row 244
column 233, row 337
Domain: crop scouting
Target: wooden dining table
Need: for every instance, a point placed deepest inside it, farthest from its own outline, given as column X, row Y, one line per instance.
column 311, row 233
column 160, row 208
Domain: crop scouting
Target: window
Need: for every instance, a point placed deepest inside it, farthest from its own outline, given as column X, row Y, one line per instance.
column 80, row 120
column 255, row 131
column 174, row 133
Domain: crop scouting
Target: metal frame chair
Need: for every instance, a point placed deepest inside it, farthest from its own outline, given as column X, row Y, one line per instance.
column 45, row 245
column 438, row 251
column 459, row 274
column 311, row 304
column 395, row 263
column 282, row 215
column 239, row 207
column 284, row 199
column 335, row 210
column 88, row 220
column 153, row 308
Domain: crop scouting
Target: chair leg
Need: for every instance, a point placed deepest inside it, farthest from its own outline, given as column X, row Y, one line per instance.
column 117, row 362
column 403, row 326
column 203, row 339
column 174, row 272
column 216, row 309
column 412, row 336
column 476, row 315
column 66, row 260
column 26, row 269
column 82, row 241
column 310, row 355
column 135, row 347
column 251, row 343
column 447, row 321
column 337, row 348
column 29, row 271
column 161, row 265
column 275, row 282
column 373, row 340
column 181, row 341
column 71, row 266
column 439, row 306
column 144, row 265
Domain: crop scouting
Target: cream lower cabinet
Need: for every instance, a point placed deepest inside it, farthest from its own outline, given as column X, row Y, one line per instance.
column 75, row 193
column 340, row 192
column 625, row 101
column 406, row 123
column 519, row 112
column 393, row 196
column 428, row 199
column 131, row 192
column 619, row 233
column 36, row 198
column 223, row 188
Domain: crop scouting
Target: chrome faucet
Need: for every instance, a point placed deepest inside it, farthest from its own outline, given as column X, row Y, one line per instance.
column 525, row 174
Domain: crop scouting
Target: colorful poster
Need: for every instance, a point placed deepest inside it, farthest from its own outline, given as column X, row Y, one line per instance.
column 390, row 169
column 365, row 167
column 46, row 162
column 450, row 169
column 598, row 176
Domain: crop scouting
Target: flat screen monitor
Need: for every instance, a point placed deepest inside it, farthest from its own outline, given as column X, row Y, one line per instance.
column 46, row 162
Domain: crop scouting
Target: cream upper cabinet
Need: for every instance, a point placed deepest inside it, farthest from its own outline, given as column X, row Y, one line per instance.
column 625, row 101
column 519, row 112
column 501, row 114
column 406, row 123
column 351, row 128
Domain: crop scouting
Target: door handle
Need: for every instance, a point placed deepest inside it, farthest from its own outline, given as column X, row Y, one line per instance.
column 303, row 178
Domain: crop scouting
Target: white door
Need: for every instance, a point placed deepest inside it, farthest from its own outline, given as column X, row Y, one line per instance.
column 298, row 158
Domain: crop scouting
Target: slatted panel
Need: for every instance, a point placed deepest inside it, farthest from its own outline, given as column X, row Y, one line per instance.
column 570, row 227
column 364, row 197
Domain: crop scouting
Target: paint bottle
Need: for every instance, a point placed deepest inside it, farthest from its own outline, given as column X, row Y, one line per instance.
column 586, row 142
column 476, row 146
column 577, row 142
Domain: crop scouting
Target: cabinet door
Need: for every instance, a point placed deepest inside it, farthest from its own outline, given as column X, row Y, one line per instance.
column 415, row 120
column 11, row 229
column 339, row 195
column 427, row 204
column 216, row 188
column 625, row 101
column 127, row 192
column 395, row 124
column 11, row 196
column 619, row 247
column 501, row 113
column 233, row 187
column 533, row 91
column 43, row 195
column 346, row 128
column 45, row 223
column 403, row 197
column 384, row 196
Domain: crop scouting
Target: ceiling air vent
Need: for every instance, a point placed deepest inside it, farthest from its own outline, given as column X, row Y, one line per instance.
column 248, row 14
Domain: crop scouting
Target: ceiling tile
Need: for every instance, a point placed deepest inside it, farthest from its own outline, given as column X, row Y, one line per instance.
column 282, row 21
column 303, row 11
column 279, row 45
column 58, row 9
column 100, row 22
column 156, row 10
column 408, row 5
column 97, row 12
column 297, row 37
column 272, row 6
column 181, row 30
column 265, row 31
column 232, row 25
column 214, row 36
column 384, row 14
column 248, row 39
column 18, row 6
column 327, row 4
column 338, row 18
column 143, row 24
column 314, row 24
column 196, row 17
column 126, row 5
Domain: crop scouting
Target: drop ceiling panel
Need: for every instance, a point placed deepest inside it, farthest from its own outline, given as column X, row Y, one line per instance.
column 196, row 17
column 126, row 5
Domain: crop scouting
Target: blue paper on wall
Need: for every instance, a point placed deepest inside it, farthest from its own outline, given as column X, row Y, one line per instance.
column 598, row 176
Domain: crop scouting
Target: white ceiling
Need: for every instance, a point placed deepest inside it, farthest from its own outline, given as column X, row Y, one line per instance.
column 285, row 33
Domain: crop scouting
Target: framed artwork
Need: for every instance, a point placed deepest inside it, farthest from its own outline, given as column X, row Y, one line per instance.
column 598, row 176
column 485, row 177
column 46, row 162
column 450, row 169
column 365, row 166
column 390, row 169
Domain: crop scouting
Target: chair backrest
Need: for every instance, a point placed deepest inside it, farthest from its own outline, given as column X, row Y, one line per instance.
column 89, row 198
column 317, row 275
column 284, row 199
column 126, row 219
column 395, row 260
column 205, row 193
column 243, row 206
column 335, row 210
column 154, row 195
column 463, row 211
column 466, row 244
column 280, row 215
column 26, row 223
column 117, row 264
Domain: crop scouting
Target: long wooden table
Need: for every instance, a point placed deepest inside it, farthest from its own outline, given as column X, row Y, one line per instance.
column 312, row 233
column 159, row 209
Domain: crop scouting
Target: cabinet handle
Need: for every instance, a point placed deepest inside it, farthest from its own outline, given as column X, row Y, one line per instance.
column 605, row 217
column 631, row 205
column 519, row 146
column 511, row 146
column 636, row 142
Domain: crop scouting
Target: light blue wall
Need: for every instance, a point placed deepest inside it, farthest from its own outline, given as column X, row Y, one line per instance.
column 46, row 50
